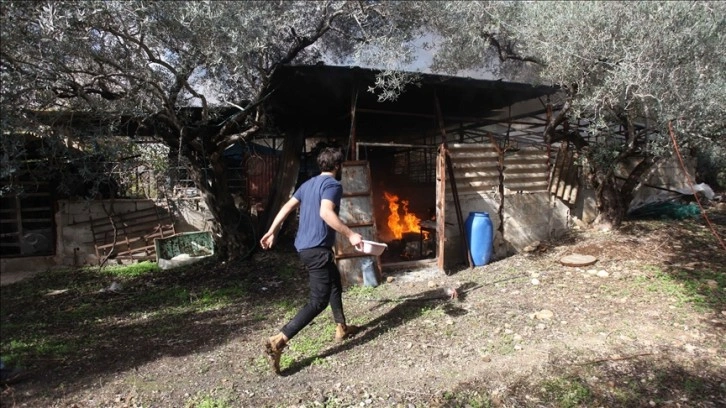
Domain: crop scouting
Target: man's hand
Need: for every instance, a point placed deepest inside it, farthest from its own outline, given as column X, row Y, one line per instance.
column 355, row 239
column 267, row 240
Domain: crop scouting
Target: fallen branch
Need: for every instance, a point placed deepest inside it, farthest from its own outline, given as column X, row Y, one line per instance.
column 604, row 360
column 408, row 391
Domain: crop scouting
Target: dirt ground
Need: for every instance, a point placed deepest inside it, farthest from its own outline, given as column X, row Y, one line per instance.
column 644, row 326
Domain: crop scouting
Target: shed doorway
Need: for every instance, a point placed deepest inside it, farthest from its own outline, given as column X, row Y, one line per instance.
column 403, row 195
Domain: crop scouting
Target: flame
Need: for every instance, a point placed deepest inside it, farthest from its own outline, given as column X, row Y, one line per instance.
column 397, row 224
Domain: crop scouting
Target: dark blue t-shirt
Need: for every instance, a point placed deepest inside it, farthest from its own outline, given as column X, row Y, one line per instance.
column 313, row 231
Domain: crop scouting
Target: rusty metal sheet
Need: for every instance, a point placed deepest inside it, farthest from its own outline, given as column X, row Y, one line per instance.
column 260, row 172
column 357, row 210
column 356, row 178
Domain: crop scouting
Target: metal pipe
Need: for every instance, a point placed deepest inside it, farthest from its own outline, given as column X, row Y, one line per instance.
column 396, row 145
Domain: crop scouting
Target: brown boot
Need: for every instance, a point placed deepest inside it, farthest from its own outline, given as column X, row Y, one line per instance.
column 343, row 331
column 273, row 348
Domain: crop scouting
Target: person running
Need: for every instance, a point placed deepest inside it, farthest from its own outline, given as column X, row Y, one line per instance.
column 319, row 201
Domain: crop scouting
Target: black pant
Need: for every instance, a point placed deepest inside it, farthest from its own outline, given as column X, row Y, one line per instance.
column 325, row 287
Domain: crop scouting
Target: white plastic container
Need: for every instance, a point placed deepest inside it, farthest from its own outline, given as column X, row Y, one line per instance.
column 371, row 247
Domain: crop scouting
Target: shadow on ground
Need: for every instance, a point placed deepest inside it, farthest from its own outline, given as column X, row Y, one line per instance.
column 630, row 381
column 66, row 330
column 407, row 308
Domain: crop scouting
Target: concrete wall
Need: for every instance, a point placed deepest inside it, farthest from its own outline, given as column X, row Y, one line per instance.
column 192, row 215
column 585, row 208
column 665, row 174
column 528, row 211
column 533, row 217
column 526, row 217
column 74, row 238
column 75, row 244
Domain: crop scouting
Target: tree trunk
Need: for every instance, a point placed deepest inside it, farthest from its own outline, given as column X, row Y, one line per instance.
column 230, row 229
column 613, row 200
column 202, row 147
column 611, row 210
column 232, row 237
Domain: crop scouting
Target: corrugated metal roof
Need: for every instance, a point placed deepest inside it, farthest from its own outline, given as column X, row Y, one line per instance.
column 322, row 95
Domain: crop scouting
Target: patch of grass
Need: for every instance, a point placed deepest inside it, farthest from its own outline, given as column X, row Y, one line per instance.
column 22, row 350
column 260, row 365
column 641, row 279
column 13, row 352
column 362, row 292
column 694, row 387
column 259, row 316
column 287, row 308
column 333, row 402
column 567, row 392
column 318, row 361
column 682, row 289
column 625, row 396
column 429, row 312
column 87, row 311
column 652, row 269
column 505, row 345
column 61, row 314
column 310, row 342
column 288, row 272
column 467, row 398
column 707, row 287
column 211, row 299
column 133, row 270
column 170, row 297
column 208, row 401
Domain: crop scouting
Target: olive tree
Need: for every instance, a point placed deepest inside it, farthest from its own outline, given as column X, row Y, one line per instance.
column 194, row 75
column 627, row 69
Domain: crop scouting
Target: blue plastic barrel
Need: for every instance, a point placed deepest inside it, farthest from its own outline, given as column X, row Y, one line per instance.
column 479, row 235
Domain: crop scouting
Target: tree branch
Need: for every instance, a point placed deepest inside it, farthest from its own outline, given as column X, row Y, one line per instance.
column 180, row 77
column 237, row 137
column 232, row 125
column 507, row 52
column 549, row 133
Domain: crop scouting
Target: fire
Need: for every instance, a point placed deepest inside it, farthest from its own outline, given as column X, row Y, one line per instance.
column 397, row 224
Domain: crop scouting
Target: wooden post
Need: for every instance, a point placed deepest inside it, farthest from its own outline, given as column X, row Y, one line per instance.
column 440, row 207
column 351, row 137
column 500, row 167
column 454, row 189
column 286, row 177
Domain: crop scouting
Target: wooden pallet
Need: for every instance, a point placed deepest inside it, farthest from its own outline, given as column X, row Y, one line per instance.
column 131, row 235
